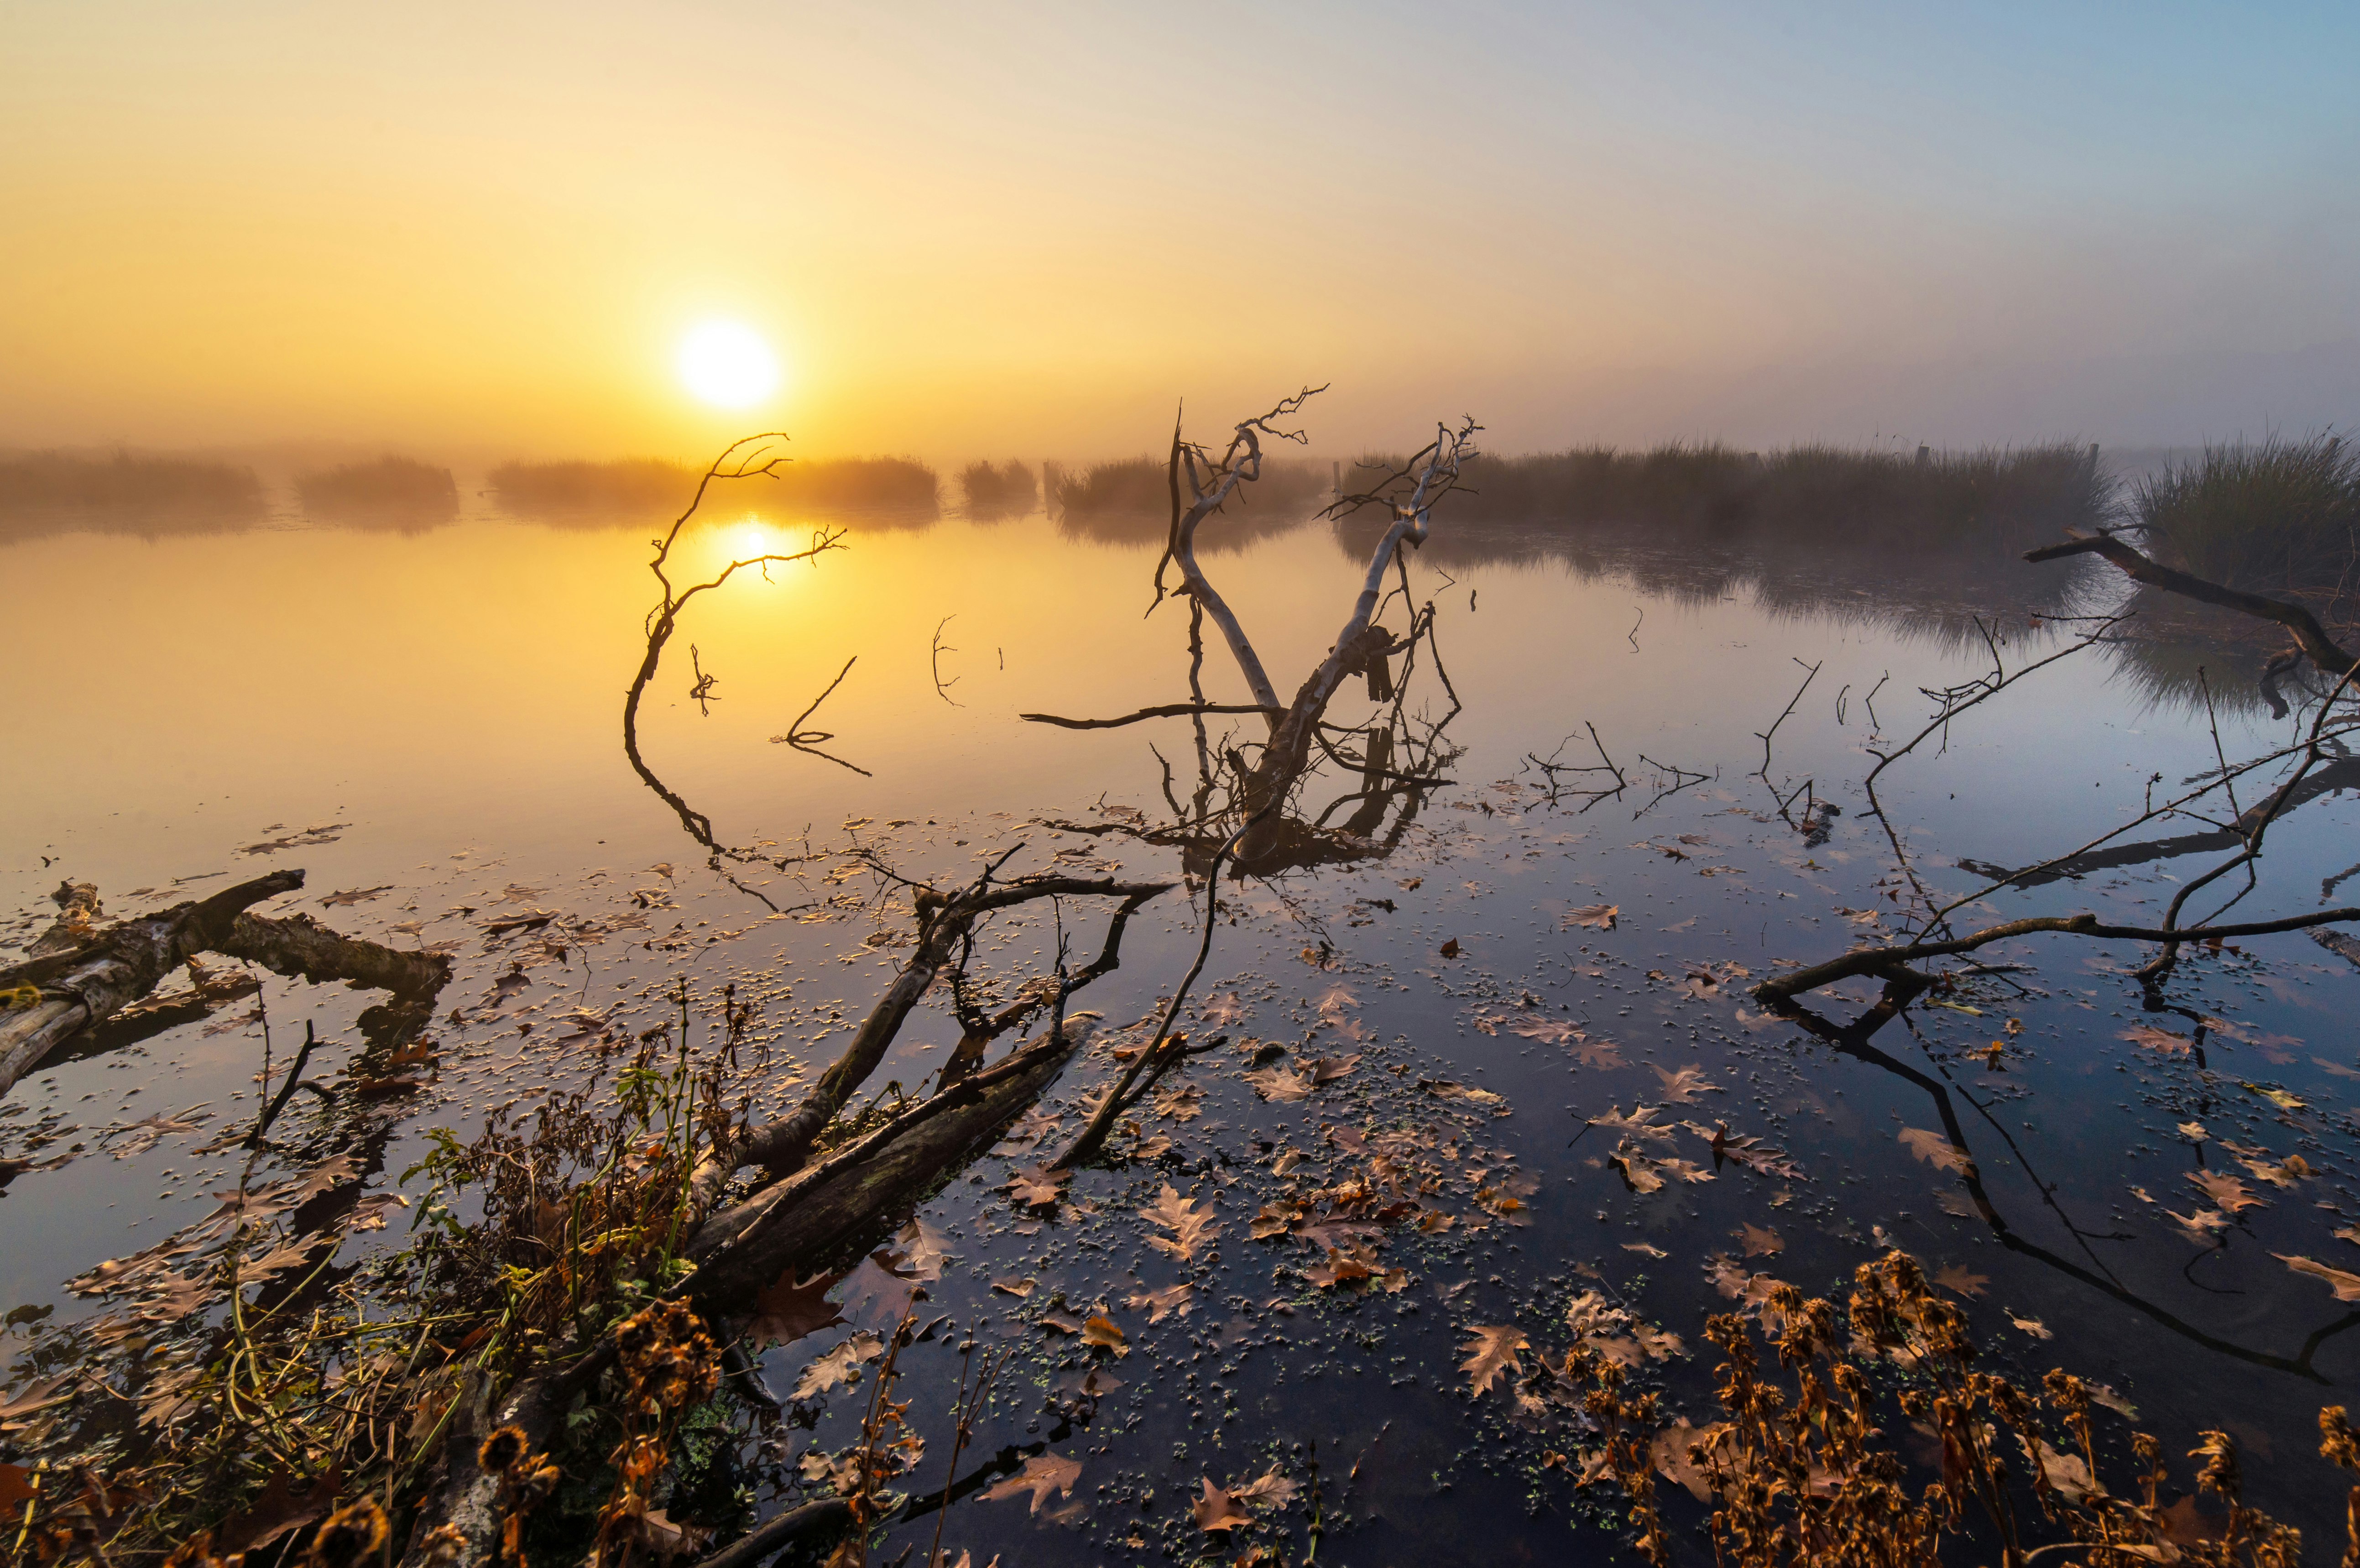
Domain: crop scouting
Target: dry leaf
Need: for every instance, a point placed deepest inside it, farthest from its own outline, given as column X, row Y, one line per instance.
column 1451, row 949
column 1600, row 916
column 1020, row 1288
column 1190, row 1226
column 1043, row 1474
column 1216, row 1509
column 1106, row 1334
column 840, row 1366
column 2228, row 1193
column 1681, row 1086
column 1034, row 1187
column 1936, row 1150
column 1162, row 1304
column 1643, row 1250
column 2157, row 1039
column 1281, row 1084
column 1761, row 1242
column 2032, row 1326
column 1491, row 1351
column 1958, row 1281
column 2347, row 1286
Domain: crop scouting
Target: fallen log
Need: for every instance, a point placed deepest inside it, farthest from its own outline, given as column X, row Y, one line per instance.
column 801, row 1218
column 794, row 1221
column 66, row 993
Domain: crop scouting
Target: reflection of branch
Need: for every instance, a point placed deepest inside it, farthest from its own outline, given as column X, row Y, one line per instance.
column 2155, row 968
column 1165, row 710
column 1949, row 704
column 1681, row 779
column 703, row 690
column 1887, row 962
column 1161, row 1051
column 810, row 740
column 1852, row 1040
column 752, row 457
column 1810, row 673
column 943, row 687
column 1551, row 768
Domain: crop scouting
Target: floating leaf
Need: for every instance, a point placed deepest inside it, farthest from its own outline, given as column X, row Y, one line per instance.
column 2347, row 1286
column 1043, row 1474
column 1105, row 1333
column 1217, row 1510
column 1681, row 1086
column 2157, row 1039
column 1451, row 949
column 1162, row 1304
column 1281, row 1084
column 2228, row 1193
column 1936, row 1150
column 840, row 1366
column 1190, row 1226
column 1761, row 1242
column 1598, row 916
column 2032, row 1326
column 1491, row 1351
column 1035, row 1188
column 1959, row 1281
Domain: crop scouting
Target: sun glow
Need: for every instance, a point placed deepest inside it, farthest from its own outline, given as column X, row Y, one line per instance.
column 727, row 363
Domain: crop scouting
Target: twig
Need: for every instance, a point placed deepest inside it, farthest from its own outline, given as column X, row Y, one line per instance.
column 943, row 687
column 1810, row 673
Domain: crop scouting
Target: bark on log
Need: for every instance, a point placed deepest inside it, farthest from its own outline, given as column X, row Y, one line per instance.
column 122, row 965
column 301, row 947
column 782, row 1146
column 742, row 1250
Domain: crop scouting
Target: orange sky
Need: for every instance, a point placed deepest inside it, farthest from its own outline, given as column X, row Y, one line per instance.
column 485, row 228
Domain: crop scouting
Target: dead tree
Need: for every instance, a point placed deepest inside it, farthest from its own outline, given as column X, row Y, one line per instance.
column 1258, row 790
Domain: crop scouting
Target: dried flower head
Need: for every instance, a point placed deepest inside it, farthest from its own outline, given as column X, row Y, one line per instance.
column 352, row 1532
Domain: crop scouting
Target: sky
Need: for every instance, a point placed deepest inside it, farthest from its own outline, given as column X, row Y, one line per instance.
column 1030, row 230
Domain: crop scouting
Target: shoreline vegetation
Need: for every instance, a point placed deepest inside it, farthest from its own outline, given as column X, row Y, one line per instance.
column 1990, row 503
column 389, row 490
column 122, row 491
column 569, row 490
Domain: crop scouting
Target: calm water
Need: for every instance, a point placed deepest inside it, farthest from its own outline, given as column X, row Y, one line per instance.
column 435, row 716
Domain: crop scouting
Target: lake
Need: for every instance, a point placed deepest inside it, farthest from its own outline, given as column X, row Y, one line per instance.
column 428, row 724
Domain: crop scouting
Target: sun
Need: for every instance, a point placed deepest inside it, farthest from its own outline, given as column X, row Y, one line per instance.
column 727, row 363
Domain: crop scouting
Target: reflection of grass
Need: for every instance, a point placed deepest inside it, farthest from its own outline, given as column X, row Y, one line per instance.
column 1991, row 503
column 638, row 485
column 390, row 487
column 1138, row 485
column 55, row 481
column 2279, row 515
column 997, row 492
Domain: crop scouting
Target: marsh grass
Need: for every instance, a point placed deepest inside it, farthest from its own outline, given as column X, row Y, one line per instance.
column 1130, row 501
column 124, row 487
column 993, row 493
column 574, row 491
column 2275, row 516
column 1991, row 503
column 390, row 488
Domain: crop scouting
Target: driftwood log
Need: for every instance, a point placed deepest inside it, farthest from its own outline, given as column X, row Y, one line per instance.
column 63, row 993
